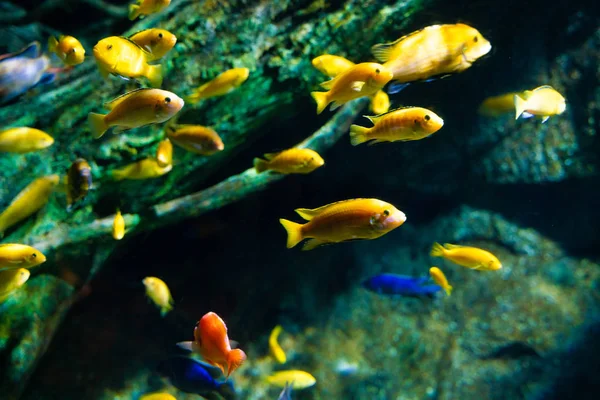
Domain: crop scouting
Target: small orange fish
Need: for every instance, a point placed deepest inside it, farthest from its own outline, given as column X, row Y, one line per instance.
column 211, row 342
column 497, row 105
column 331, row 65
column 221, row 85
column 157, row 42
column 196, row 138
column 404, row 124
column 440, row 279
column 361, row 80
column 164, row 153
column 146, row 7
column 543, row 102
column 291, row 161
column 469, row 257
column 67, row 48
column 344, row 220
column 380, row 103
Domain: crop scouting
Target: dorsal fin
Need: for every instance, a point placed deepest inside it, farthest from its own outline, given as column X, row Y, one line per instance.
column 33, row 50
column 375, row 118
column 309, row 214
column 543, row 87
column 449, row 246
column 382, row 51
column 270, row 156
column 328, row 84
column 110, row 105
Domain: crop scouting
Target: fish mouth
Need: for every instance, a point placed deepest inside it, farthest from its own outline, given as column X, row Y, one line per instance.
column 395, row 220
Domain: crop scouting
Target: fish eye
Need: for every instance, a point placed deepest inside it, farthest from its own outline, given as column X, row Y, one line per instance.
column 167, row 99
column 160, row 35
column 427, row 117
column 475, row 39
column 33, row 255
column 109, row 47
column 386, row 213
column 377, row 71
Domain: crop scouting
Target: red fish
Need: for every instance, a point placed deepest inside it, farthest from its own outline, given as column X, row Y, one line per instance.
column 211, row 342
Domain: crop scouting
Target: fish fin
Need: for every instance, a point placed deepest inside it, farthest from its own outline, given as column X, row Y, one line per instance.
column 357, row 85
column 188, row 346
column 52, row 44
column 335, row 105
column 375, row 118
column 328, row 84
column 322, row 99
column 270, row 156
column 544, row 119
column 437, row 250
column 308, row 214
column 235, row 358
column 396, row 87
column 97, row 124
column 110, row 105
column 192, row 98
column 382, row 51
column 520, row 106
column 155, row 75
column 448, row 290
column 376, row 141
column 294, row 231
column 260, row 165
column 134, row 11
column 540, row 88
column 33, row 50
column 118, row 175
column 526, row 115
column 313, row 244
column 234, row 344
column 450, row 246
column 358, row 134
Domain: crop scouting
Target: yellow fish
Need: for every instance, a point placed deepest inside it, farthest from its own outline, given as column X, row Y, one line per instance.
column 15, row 256
column 24, row 140
column 159, row 293
column 331, row 65
column 221, row 85
column 195, row 138
column 344, row 220
column 157, row 42
column 298, row 379
column 12, row 280
column 434, row 51
column 164, row 153
column 144, row 169
column 147, row 7
column 380, row 103
column 404, row 124
column 439, row 278
column 67, row 48
column 121, row 56
column 470, row 257
column 33, row 197
column 498, row 105
column 543, row 102
column 135, row 109
column 158, row 396
column 79, row 181
column 361, row 80
column 291, row 161
column 276, row 349
column 118, row 231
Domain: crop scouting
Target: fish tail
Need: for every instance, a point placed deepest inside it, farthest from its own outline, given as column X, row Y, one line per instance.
column 165, row 310
column 437, row 250
column 155, row 75
column 52, row 43
column 448, row 290
column 235, row 358
column 97, row 125
column 358, row 134
column 260, row 165
column 134, row 11
column 322, row 100
column 294, row 231
column 520, row 105
column 118, row 175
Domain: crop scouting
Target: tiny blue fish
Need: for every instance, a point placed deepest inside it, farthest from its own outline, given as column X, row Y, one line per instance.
column 23, row 70
column 286, row 393
column 192, row 376
column 400, row 284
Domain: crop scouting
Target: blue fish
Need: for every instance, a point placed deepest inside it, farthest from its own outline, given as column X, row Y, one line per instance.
column 192, row 376
column 400, row 284
column 21, row 71
column 286, row 393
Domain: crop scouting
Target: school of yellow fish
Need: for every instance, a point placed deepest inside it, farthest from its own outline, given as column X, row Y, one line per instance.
column 424, row 55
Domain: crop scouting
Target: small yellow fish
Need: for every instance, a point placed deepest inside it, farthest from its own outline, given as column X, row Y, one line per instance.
column 341, row 221
column 276, row 349
column 24, row 140
column 470, row 257
column 164, row 153
column 298, row 379
column 361, row 80
column 147, row 168
column 498, row 105
column 159, row 293
column 195, row 138
column 67, row 48
column 29, row 200
column 158, row 396
column 11, row 280
column 79, row 181
column 118, row 231
column 331, row 65
column 438, row 276
column 14, row 256
column 291, row 161
column 147, row 7
column 380, row 103
column 543, row 102
column 221, row 85
column 135, row 109
column 404, row 124
column 434, row 51
column 121, row 56
column 158, row 42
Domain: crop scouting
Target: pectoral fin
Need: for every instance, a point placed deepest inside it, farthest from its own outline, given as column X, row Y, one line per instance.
column 313, row 243
column 357, row 85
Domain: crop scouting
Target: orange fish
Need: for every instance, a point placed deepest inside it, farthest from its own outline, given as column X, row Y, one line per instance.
column 211, row 342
